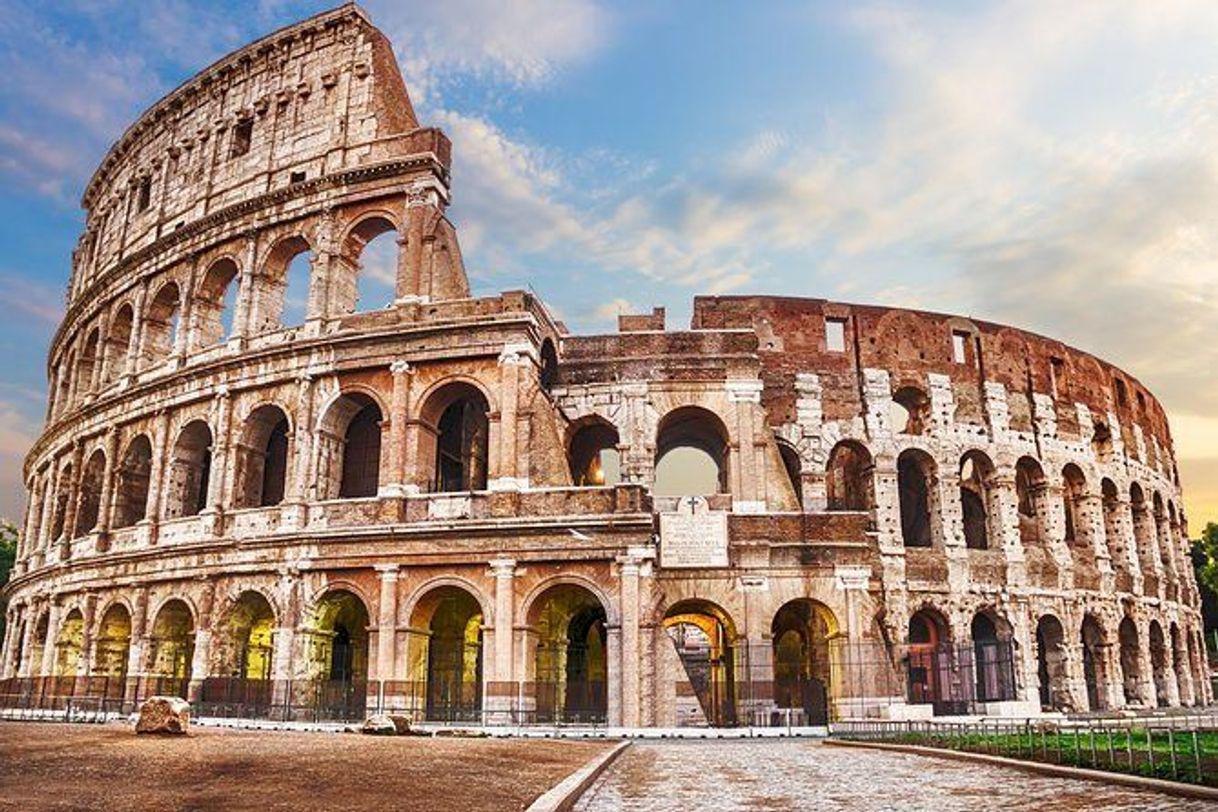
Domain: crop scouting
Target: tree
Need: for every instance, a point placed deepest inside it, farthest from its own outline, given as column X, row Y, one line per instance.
column 8, row 556
column 1205, row 565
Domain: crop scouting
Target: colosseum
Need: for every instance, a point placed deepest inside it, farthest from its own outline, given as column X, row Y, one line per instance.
column 260, row 490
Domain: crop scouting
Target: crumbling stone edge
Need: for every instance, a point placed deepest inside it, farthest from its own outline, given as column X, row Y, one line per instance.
column 1176, row 788
column 562, row 796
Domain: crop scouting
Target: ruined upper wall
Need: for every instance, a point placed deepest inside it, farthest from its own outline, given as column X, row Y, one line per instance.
column 309, row 100
column 910, row 345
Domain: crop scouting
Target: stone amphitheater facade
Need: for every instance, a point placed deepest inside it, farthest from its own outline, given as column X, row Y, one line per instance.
column 454, row 507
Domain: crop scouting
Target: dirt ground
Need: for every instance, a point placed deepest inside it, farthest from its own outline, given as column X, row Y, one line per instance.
column 47, row 766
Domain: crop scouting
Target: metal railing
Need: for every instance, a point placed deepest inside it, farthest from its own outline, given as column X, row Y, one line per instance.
column 1178, row 748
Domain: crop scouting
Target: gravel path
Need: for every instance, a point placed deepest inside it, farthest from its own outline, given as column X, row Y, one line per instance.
column 799, row 775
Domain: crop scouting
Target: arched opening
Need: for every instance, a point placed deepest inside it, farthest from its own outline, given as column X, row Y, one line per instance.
column 848, row 477
column 1160, row 664
column 792, row 465
column 214, row 304
column 118, row 343
column 63, row 495
column 1163, row 539
column 910, row 412
column 1078, row 525
column 570, row 662
column 87, row 365
column 691, row 454
column 337, row 651
column 160, row 328
column 262, row 458
column 801, row 630
column 1029, row 493
column 459, row 415
column 594, row 456
column 69, row 645
column 1131, row 667
column 915, row 486
column 1144, row 536
column 189, row 471
column 976, row 500
column 371, row 251
column 1101, row 443
column 89, row 502
column 993, row 663
column 349, row 448
column 113, row 643
column 286, row 275
column 930, row 663
column 1180, row 667
column 131, row 483
column 549, row 365
column 704, row 637
column 452, row 660
column 1051, row 665
column 172, row 646
column 42, row 639
column 245, row 644
column 1111, row 501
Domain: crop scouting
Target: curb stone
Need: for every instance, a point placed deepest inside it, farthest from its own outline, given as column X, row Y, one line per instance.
column 562, row 796
column 1159, row 785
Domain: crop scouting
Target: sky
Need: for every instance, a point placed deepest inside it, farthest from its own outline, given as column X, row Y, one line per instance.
column 1044, row 164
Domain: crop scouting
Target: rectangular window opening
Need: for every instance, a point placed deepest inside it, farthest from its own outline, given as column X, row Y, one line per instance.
column 959, row 347
column 835, row 335
column 144, row 198
column 242, row 134
column 297, row 177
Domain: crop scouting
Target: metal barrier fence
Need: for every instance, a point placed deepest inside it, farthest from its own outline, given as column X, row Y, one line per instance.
column 1178, row 748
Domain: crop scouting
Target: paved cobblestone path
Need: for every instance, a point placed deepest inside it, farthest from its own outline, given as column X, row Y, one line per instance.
column 709, row 776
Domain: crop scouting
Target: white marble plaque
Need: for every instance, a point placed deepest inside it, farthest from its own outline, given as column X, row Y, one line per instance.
column 693, row 536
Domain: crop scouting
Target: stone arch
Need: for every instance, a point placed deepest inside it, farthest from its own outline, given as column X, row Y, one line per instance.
column 705, row 638
column 930, row 660
column 691, row 459
column 993, row 657
column 568, row 635
column 118, row 342
column 132, row 478
column 1030, row 490
column 548, row 359
column 1160, row 664
column 917, row 480
column 570, row 579
column 979, row 498
column 592, row 452
column 455, row 415
column 161, row 324
column 213, row 306
column 1144, row 534
column 285, row 281
column 113, row 642
column 86, row 365
column 1051, row 665
column 792, row 466
column 1075, row 507
column 70, row 644
column 910, row 412
column 88, row 503
column 244, row 640
column 849, row 477
column 336, row 637
column 63, row 496
column 1180, row 665
column 349, row 446
column 189, row 471
column 801, row 631
column 446, row 658
column 263, row 454
column 369, row 263
column 171, row 647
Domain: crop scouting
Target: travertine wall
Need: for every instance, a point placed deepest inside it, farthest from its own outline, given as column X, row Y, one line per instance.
column 148, row 485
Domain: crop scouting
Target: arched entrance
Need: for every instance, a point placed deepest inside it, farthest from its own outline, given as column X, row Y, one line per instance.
column 451, row 663
column 570, row 662
column 245, row 651
column 929, row 663
column 69, row 644
column 994, row 667
column 1160, row 664
column 172, row 648
column 113, row 643
column 1051, row 665
column 336, row 651
column 801, row 631
column 704, row 637
column 1095, row 663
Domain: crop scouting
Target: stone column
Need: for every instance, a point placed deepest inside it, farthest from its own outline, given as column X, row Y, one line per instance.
column 747, row 470
column 245, row 292
column 636, row 563
column 47, row 667
column 387, row 622
column 156, row 475
column 503, row 474
column 131, row 363
column 1125, row 529
column 853, row 581
column 293, row 513
column 27, row 644
column 138, row 645
column 613, row 676
column 1006, row 500
column 502, row 684
column 399, row 406
column 200, row 661
column 106, row 498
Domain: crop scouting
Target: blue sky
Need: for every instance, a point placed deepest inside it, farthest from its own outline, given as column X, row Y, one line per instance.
column 1043, row 164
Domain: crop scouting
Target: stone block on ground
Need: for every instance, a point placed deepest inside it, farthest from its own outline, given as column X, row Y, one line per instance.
column 379, row 725
column 164, row 714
